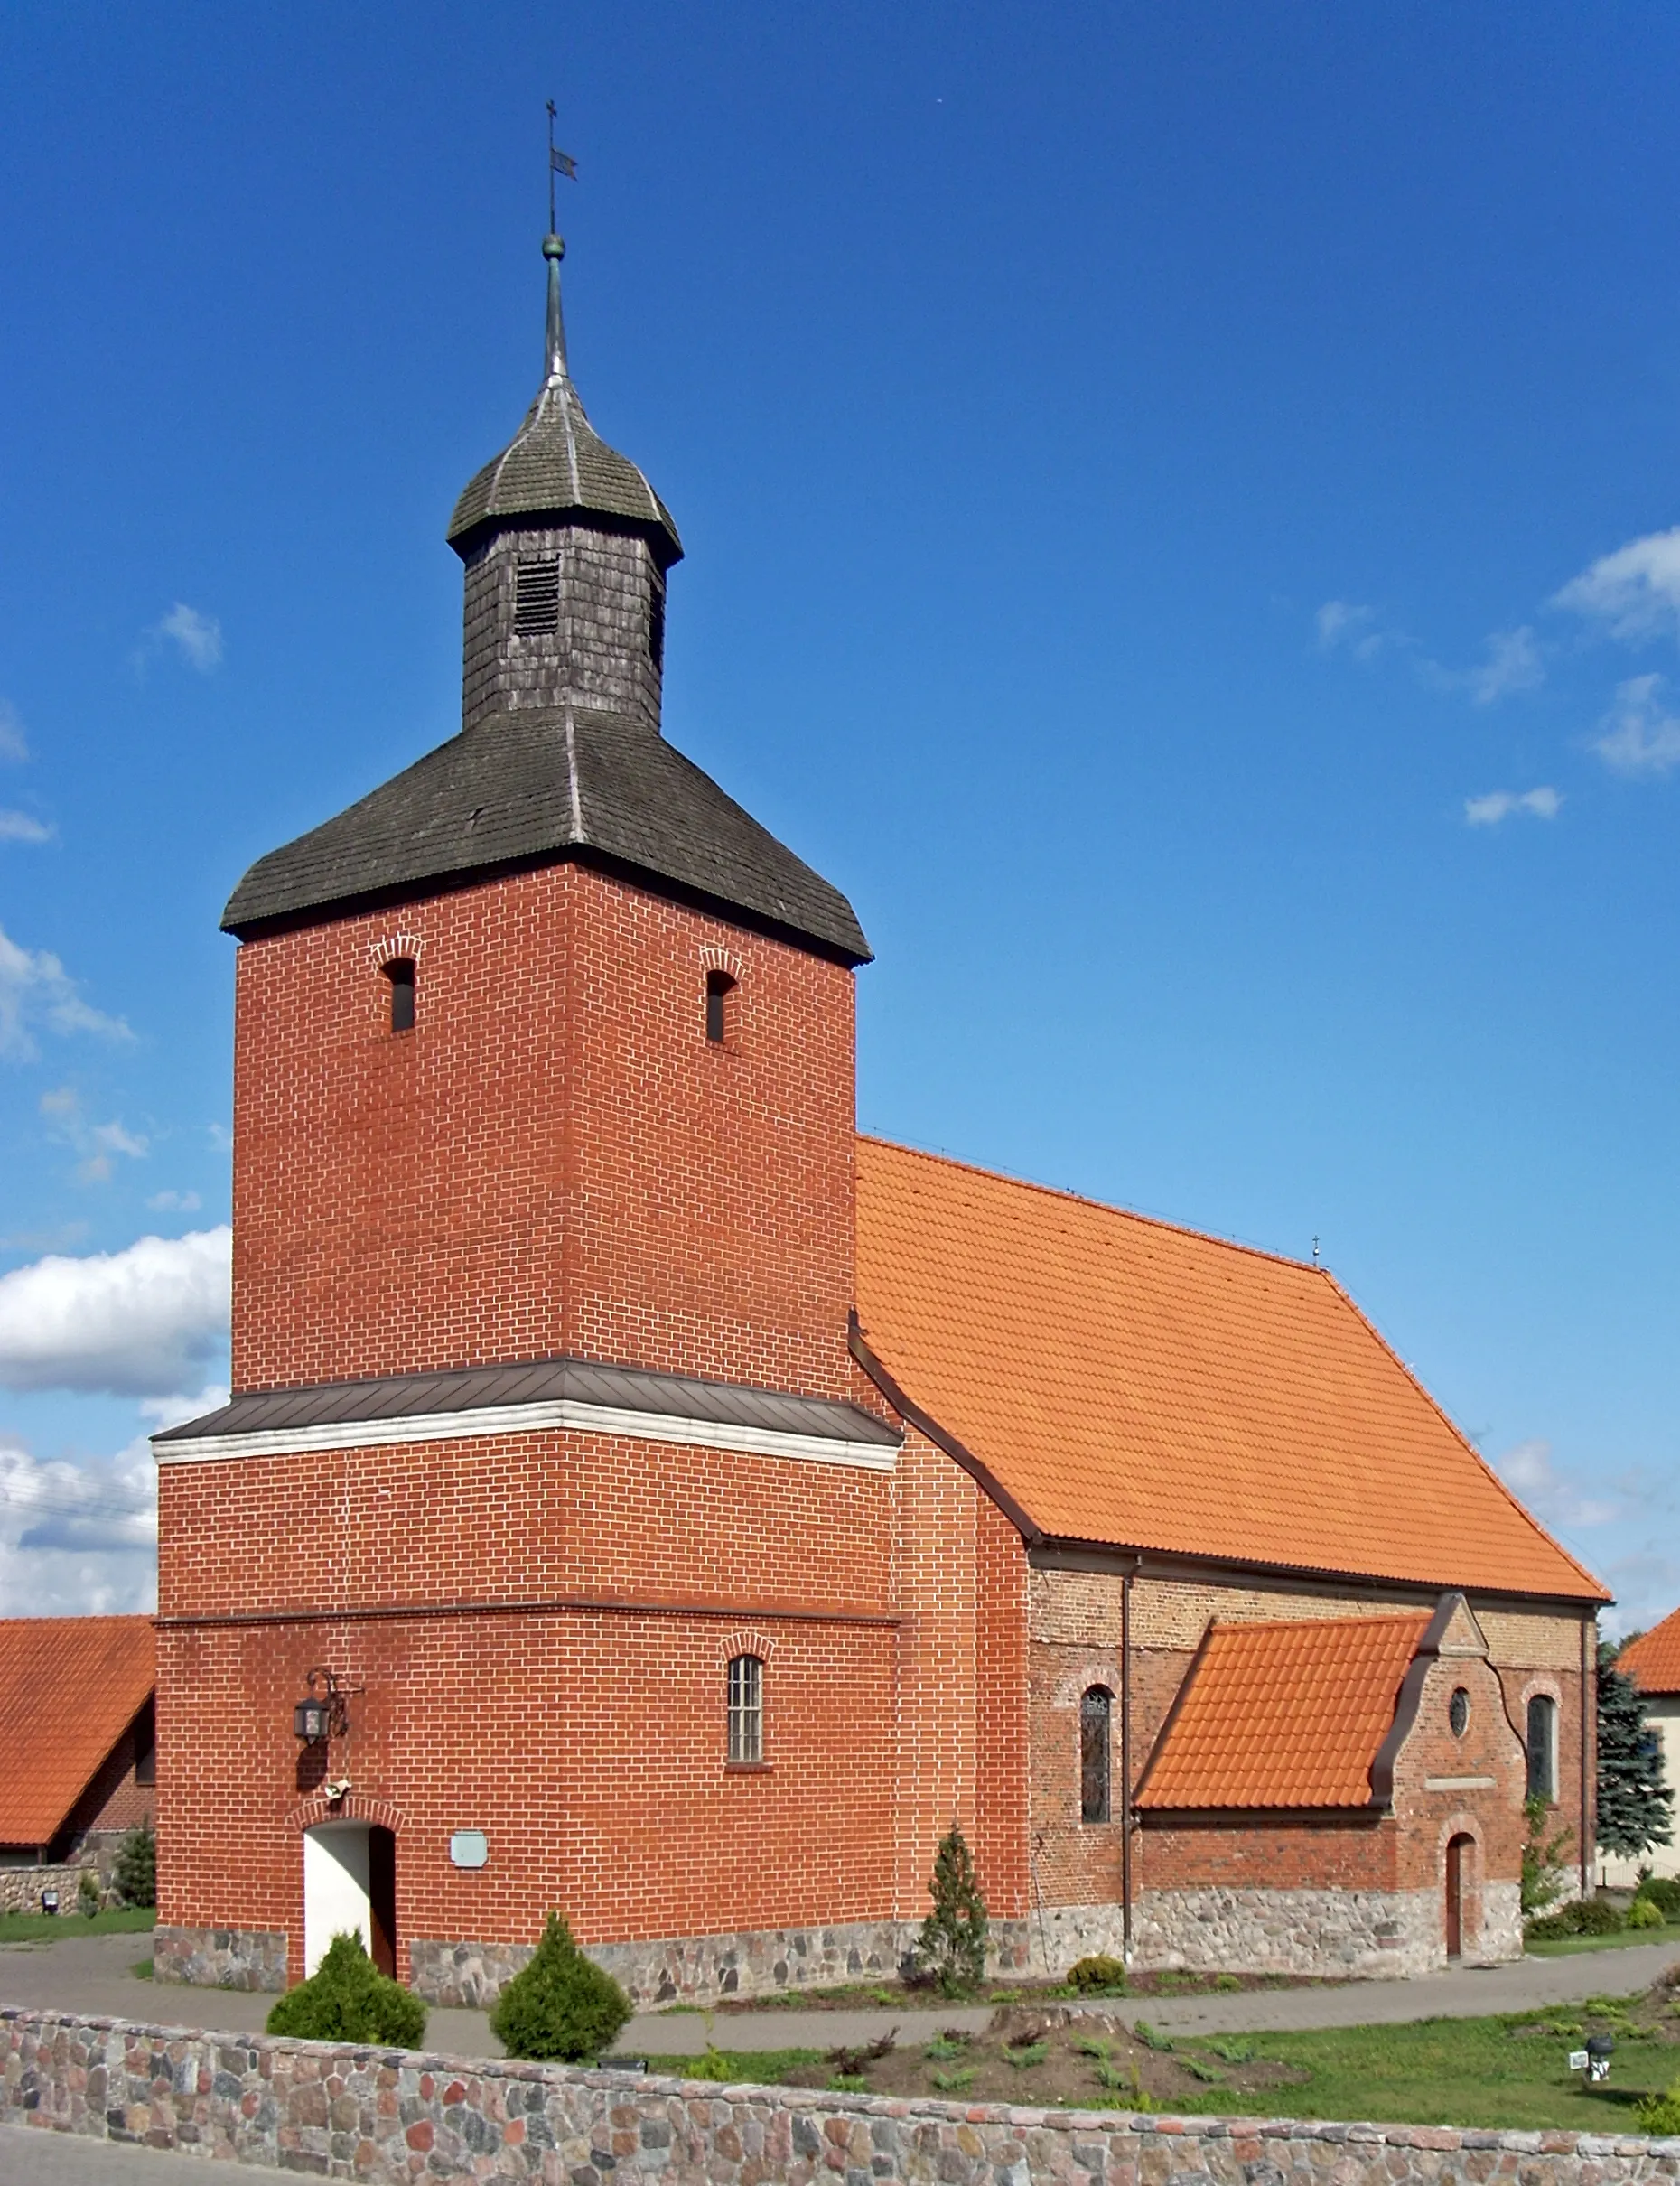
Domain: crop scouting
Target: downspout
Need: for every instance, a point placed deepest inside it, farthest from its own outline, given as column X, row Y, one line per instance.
column 1586, row 1716
column 1125, row 1764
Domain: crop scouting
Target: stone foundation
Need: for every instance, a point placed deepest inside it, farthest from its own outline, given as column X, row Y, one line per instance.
column 399, row 2117
column 21, row 1887
column 220, row 1957
column 1358, row 1934
column 699, row 1969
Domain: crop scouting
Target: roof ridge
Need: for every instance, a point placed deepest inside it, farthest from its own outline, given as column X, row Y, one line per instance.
column 1451, row 1424
column 1084, row 1198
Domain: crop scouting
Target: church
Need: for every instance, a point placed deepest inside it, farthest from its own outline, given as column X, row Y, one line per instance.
column 643, row 1496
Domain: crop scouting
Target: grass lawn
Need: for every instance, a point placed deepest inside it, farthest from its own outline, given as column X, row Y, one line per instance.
column 56, row 1927
column 1508, row 2071
column 1627, row 1939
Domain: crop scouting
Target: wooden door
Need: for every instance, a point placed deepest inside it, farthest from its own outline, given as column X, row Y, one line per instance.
column 1455, row 1897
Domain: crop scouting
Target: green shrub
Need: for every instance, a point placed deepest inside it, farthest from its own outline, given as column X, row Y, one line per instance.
column 135, row 1871
column 1663, row 1892
column 951, row 1947
column 1097, row 1977
column 1544, row 1878
column 87, row 1893
column 1660, row 2114
column 1644, row 1912
column 561, row 2007
column 1580, row 1917
column 348, row 1999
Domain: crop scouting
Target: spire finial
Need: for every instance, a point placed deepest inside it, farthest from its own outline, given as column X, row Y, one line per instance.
column 554, row 250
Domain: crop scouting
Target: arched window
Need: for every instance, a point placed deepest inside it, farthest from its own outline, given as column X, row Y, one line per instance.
column 400, row 974
column 1095, row 1710
column 1542, row 1747
column 719, row 986
column 746, row 1708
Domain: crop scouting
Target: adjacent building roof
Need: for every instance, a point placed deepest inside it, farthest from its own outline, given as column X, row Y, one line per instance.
column 1653, row 1659
column 536, row 786
column 1125, row 1382
column 1283, row 1715
column 70, row 1686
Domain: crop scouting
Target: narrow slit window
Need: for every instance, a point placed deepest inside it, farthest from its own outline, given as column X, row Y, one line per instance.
column 537, row 598
column 1541, row 1743
column 656, row 629
column 400, row 977
column 1095, row 1712
column 746, row 1708
column 719, row 986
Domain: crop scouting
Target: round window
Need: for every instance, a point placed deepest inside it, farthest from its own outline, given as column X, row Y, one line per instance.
column 1458, row 1712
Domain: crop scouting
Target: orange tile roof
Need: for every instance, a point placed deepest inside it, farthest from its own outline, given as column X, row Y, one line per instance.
column 70, row 1686
column 1284, row 1714
column 1126, row 1382
column 1653, row 1659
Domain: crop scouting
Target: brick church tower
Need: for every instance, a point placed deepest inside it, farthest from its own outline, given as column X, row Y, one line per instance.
column 544, row 1220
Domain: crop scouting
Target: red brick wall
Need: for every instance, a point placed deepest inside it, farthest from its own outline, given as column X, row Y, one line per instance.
column 1254, row 1851
column 556, row 1159
column 114, row 1800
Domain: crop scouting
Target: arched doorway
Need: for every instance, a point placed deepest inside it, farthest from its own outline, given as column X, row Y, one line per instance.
column 1460, row 1850
column 349, row 1886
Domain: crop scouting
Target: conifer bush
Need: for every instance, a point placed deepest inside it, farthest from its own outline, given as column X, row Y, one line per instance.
column 562, row 2007
column 135, row 1870
column 1098, row 1975
column 1663, row 1892
column 951, row 1947
column 1644, row 1912
column 87, row 1893
column 348, row 1999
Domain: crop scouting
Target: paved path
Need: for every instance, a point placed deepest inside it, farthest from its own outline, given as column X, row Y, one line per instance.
column 93, row 1974
column 31, row 2155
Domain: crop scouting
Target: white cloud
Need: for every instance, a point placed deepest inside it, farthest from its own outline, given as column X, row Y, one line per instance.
column 1499, row 804
column 19, row 827
column 14, row 743
column 1529, row 1471
column 1635, row 592
column 1513, row 663
column 135, row 1324
column 96, row 1142
column 36, row 990
column 196, row 637
column 176, row 1202
column 1636, row 736
column 1345, row 623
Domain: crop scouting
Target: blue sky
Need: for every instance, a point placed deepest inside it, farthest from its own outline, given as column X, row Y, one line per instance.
column 1178, row 507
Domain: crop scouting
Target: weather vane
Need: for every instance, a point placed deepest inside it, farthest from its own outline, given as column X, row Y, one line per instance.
column 559, row 163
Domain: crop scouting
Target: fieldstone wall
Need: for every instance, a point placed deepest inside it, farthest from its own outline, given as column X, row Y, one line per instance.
column 220, row 1957
column 698, row 1969
column 1370, row 1934
column 396, row 2117
column 21, row 1887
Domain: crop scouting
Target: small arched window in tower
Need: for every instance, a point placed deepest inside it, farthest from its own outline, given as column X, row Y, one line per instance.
column 1541, row 1743
column 1096, row 1711
column 400, row 976
column 537, row 597
column 746, row 1709
column 656, row 628
column 719, row 986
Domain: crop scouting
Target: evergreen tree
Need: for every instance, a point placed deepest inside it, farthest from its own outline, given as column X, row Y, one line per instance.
column 951, row 1947
column 560, row 2005
column 134, row 1872
column 1636, row 1806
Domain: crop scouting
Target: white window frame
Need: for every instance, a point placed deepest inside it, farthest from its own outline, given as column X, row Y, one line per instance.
column 746, row 1711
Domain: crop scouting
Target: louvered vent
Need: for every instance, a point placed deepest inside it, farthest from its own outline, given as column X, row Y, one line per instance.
column 537, row 599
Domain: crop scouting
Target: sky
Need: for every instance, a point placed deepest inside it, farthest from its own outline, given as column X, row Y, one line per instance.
column 1182, row 513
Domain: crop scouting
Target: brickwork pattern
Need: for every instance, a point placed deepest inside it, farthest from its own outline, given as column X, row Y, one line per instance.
column 600, row 653
column 556, row 1159
column 396, row 2117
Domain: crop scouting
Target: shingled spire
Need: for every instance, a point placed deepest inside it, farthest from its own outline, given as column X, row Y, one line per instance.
column 567, row 547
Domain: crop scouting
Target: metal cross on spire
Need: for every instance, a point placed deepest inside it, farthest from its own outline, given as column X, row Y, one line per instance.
column 559, row 163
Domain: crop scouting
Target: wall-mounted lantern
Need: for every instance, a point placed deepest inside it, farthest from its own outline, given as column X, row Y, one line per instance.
column 322, row 1714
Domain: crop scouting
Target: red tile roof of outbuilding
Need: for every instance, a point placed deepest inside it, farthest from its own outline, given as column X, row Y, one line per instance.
column 1653, row 1659
column 1284, row 1714
column 1126, row 1382
column 70, row 1686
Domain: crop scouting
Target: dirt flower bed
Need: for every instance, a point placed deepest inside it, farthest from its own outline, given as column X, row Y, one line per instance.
column 1053, row 2055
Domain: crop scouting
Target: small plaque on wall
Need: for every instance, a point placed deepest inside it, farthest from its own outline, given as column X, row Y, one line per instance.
column 469, row 1848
